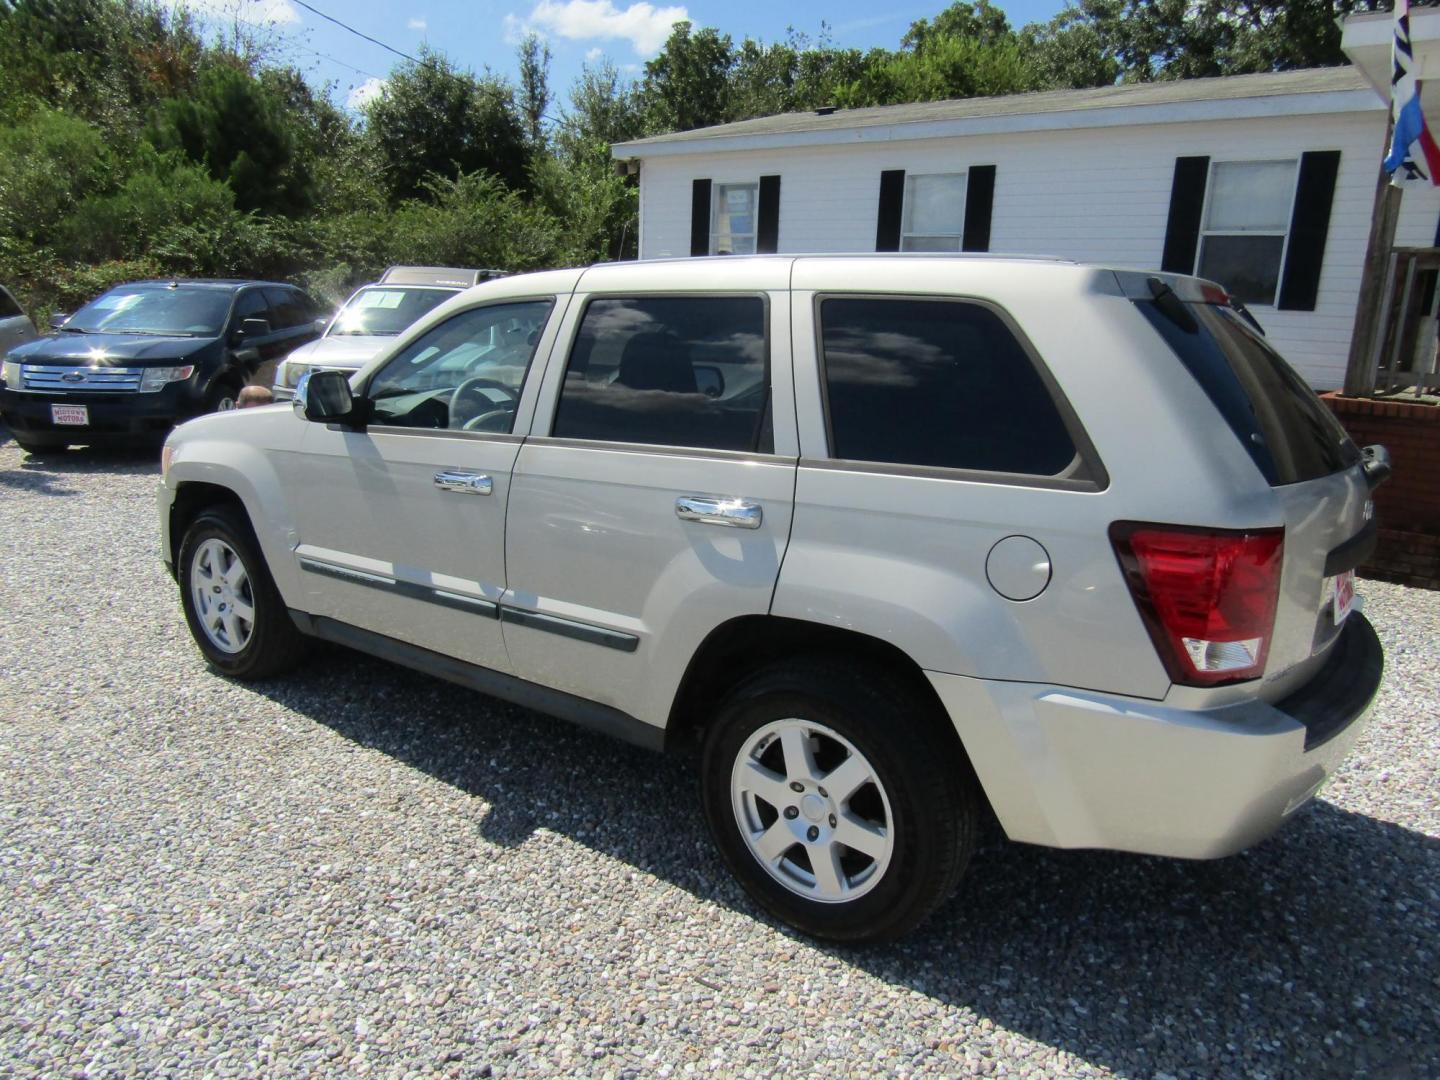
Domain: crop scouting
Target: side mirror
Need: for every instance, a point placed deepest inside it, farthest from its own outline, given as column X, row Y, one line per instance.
column 321, row 322
column 58, row 319
column 325, row 398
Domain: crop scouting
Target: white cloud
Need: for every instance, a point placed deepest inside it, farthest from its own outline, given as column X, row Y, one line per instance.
column 365, row 93
column 515, row 29
column 254, row 12
column 642, row 24
column 595, row 53
column 418, row 24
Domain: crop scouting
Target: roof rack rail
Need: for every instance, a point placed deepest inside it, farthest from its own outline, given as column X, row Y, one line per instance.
column 448, row 276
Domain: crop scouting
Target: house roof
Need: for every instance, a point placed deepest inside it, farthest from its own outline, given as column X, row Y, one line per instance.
column 1310, row 90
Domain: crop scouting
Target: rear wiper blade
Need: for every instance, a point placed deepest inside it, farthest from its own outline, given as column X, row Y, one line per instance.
column 1171, row 306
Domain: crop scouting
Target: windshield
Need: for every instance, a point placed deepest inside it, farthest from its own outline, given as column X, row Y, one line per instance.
column 167, row 310
column 386, row 310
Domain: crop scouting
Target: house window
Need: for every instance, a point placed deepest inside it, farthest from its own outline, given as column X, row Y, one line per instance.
column 934, row 215
column 1247, row 218
column 734, row 218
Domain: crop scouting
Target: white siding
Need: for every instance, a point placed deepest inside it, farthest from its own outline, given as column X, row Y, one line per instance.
column 1096, row 195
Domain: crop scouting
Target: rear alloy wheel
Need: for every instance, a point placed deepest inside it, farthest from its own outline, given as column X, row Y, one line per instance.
column 812, row 811
column 234, row 611
column 838, row 799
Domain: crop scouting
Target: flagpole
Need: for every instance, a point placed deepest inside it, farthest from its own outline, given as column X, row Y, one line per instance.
column 1359, row 368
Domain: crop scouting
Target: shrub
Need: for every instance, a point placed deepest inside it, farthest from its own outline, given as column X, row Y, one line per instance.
column 48, row 164
column 172, row 195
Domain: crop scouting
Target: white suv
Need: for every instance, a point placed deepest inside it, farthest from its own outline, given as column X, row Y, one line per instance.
column 902, row 542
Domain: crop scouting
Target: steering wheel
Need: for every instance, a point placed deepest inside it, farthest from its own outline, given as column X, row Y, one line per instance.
column 471, row 390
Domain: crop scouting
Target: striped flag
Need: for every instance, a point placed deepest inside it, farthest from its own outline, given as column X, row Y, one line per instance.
column 1412, row 149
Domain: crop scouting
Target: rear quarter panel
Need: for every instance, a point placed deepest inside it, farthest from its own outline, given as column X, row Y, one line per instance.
column 904, row 557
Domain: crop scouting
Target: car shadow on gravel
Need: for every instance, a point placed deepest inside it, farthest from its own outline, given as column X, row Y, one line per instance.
column 1313, row 953
column 42, row 470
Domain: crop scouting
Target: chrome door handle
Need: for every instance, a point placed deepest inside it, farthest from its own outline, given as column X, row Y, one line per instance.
column 731, row 513
column 466, row 483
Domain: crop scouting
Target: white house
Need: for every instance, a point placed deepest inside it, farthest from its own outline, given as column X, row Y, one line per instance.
column 1265, row 183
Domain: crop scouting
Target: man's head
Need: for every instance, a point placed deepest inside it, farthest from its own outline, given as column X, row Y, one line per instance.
column 254, row 395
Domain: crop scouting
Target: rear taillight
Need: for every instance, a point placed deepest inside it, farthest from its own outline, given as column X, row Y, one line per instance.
column 1207, row 596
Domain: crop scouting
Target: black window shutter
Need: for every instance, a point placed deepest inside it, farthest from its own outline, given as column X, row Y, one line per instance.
column 1187, row 206
column 1309, row 226
column 700, row 218
column 979, row 202
column 767, row 229
column 887, row 221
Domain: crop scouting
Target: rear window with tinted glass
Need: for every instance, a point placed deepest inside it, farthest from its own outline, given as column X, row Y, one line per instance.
column 936, row 383
column 1287, row 430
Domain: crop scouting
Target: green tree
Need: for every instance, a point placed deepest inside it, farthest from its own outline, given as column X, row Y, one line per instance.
column 134, row 220
column 437, row 121
column 473, row 220
column 604, row 109
column 687, row 85
column 1069, row 52
column 946, row 67
column 1185, row 39
column 49, row 163
column 578, row 183
column 106, row 61
column 981, row 21
column 244, row 135
column 534, row 57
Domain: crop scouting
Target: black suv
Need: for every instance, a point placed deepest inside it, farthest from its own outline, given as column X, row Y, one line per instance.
column 135, row 361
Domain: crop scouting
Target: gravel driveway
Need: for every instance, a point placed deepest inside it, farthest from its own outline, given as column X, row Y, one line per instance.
column 362, row 871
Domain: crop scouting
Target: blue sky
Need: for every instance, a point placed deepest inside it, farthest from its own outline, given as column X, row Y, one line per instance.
column 481, row 33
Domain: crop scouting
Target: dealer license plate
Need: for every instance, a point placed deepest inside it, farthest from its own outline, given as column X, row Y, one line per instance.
column 73, row 415
column 1341, row 592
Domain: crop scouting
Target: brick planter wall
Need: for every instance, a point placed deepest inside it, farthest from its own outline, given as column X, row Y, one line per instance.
column 1408, row 506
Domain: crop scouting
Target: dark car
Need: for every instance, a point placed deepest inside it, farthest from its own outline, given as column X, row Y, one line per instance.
column 132, row 363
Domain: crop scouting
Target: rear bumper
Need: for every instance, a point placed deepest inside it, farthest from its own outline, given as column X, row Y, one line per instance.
column 1076, row 769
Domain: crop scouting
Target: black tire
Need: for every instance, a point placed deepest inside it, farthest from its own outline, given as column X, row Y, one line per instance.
column 934, row 804
column 274, row 644
column 221, row 392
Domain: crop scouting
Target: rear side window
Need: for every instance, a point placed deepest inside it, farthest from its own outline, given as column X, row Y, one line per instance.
column 669, row 371
column 288, row 308
column 937, row 383
column 1289, row 433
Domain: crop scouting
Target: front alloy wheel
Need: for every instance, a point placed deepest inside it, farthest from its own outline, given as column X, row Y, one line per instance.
column 234, row 611
column 223, row 597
